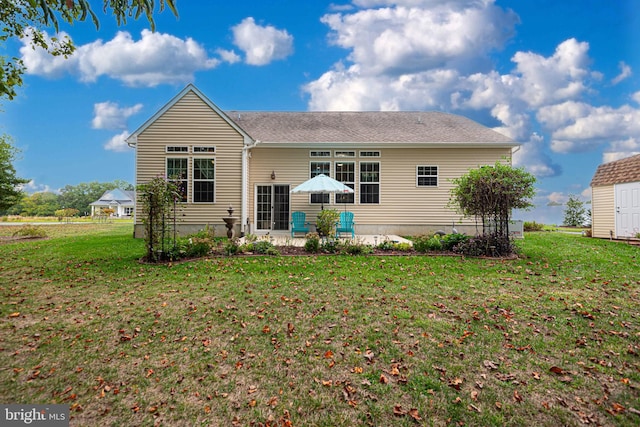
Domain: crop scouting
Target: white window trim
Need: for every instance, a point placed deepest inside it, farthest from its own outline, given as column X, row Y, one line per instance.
column 375, row 154
column 319, row 154
column 166, row 173
column 355, row 178
column 344, row 154
column 193, row 179
column 184, row 149
column 379, row 182
column 310, row 171
column 209, row 149
column 437, row 176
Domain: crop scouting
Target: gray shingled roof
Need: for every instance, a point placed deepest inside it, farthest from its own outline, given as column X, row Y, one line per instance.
column 364, row 127
column 617, row 172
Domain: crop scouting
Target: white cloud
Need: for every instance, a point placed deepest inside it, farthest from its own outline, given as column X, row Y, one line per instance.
column 261, row 44
column 625, row 71
column 108, row 115
column 399, row 39
column 155, row 59
column 533, row 158
column 556, row 78
column 228, row 56
column 118, row 143
column 33, row 187
column 579, row 127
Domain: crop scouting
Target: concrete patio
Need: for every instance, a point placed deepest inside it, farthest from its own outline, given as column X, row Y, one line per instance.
column 282, row 239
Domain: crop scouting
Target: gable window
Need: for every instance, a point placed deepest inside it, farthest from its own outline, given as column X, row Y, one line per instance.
column 369, row 154
column 369, row 182
column 317, row 168
column 344, row 154
column 177, row 149
column 203, row 180
column 346, row 174
column 204, row 149
column 177, row 173
column 320, row 154
column 427, row 176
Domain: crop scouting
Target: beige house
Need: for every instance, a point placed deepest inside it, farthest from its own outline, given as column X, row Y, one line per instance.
column 615, row 199
column 399, row 163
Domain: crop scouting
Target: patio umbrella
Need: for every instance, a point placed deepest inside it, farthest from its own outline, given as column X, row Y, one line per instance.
column 321, row 184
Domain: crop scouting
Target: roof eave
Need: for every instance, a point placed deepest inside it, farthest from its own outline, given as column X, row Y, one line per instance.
column 431, row 144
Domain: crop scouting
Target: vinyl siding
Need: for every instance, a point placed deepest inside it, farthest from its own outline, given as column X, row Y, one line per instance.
column 603, row 219
column 402, row 203
column 190, row 121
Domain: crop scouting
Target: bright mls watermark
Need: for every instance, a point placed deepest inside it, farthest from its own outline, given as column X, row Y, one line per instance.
column 34, row 415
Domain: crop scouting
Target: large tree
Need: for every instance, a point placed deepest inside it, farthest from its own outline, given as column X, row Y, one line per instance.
column 10, row 185
column 30, row 18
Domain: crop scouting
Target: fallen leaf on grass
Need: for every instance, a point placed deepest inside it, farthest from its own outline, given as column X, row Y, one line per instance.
column 490, row 365
column 16, row 314
column 516, row 396
column 456, row 383
column 398, row 411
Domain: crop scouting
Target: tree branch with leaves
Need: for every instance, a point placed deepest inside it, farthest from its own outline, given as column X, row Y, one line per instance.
column 29, row 18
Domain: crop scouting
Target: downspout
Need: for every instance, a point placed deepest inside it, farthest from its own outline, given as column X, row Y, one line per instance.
column 244, row 215
column 132, row 142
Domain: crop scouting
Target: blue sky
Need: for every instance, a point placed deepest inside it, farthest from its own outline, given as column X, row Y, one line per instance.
column 561, row 77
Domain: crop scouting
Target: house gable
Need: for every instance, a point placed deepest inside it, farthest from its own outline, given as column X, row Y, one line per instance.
column 189, row 89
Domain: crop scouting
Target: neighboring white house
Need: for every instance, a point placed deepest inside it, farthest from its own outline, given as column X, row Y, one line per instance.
column 400, row 164
column 615, row 199
column 121, row 201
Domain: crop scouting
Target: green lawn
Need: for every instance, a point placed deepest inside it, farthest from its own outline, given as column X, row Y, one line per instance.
column 549, row 339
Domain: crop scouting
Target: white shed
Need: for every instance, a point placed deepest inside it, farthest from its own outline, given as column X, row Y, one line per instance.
column 615, row 203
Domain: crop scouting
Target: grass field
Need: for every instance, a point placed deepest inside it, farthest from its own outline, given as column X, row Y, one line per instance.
column 549, row 339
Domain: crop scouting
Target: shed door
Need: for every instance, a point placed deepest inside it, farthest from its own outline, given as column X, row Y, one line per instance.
column 627, row 209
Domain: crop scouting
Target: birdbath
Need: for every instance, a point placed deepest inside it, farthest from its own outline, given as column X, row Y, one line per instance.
column 230, row 222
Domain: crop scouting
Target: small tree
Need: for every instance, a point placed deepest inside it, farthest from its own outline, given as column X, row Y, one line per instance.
column 490, row 193
column 10, row 185
column 158, row 200
column 575, row 212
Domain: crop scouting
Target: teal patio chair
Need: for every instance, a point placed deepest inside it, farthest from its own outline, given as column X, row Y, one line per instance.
column 346, row 224
column 298, row 223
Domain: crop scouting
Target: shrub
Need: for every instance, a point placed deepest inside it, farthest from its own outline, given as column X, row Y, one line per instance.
column 450, row 241
column 30, row 231
column 386, row 245
column 231, row 247
column 326, row 222
column 486, row 245
column 198, row 247
column 265, row 247
column 330, row 246
column 402, row 247
column 420, row 243
column 312, row 244
column 356, row 248
column 532, row 226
